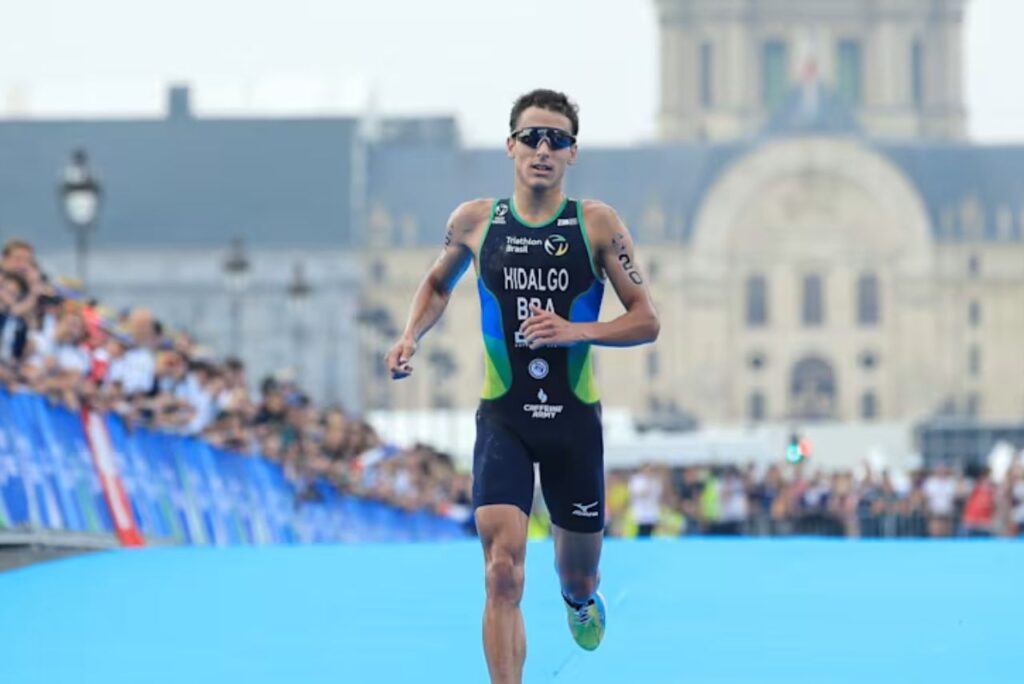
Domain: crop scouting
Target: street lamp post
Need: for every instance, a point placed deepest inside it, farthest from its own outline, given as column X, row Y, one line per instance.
column 236, row 277
column 80, row 194
column 299, row 290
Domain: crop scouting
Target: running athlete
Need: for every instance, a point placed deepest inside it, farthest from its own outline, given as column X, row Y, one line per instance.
column 541, row 260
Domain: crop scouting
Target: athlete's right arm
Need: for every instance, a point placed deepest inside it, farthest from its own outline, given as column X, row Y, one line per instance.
column 431, row 298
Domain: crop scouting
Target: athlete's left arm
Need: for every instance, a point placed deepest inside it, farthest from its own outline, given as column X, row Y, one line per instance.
column 613, row 244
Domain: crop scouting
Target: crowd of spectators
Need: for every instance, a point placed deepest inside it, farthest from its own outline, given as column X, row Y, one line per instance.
column 75, row 352
column 790, row 499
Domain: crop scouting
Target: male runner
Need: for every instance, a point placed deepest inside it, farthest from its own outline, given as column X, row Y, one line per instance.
column 541, row 261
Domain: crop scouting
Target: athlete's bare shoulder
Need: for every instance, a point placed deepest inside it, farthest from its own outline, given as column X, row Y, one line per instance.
column 467, row 221
column 600, row 215
column 602, row 222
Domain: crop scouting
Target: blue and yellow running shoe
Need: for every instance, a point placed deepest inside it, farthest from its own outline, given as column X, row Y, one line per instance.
column 586, row 624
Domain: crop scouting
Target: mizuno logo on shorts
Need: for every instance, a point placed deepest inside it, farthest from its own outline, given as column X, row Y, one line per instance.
column 583, row 510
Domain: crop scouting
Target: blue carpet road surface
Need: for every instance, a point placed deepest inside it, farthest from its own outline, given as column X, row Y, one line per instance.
column 680, row 611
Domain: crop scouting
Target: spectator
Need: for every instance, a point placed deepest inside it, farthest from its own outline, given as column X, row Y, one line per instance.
column 915, row 509
column 337, row 430
column 964, row 484
column 135, row 370
column 201, row 391
column 235, row 395
column 689, row 499
column 814, row 506
column 60, row 364
column 940, row 497
column 18, row 257
column 843, row 503
column 887, row 506
column 272, row 409
column 645, row 490
column 734, row 504
column 868, row 522
column 13, row 323
column 710, row 501
column 169, row 405
column 979, row 510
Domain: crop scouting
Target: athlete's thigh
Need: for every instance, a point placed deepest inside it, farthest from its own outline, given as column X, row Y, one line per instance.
column 502, row 467
column 572, row 477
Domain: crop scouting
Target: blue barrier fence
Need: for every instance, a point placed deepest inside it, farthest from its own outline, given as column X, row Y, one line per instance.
column 181, row 489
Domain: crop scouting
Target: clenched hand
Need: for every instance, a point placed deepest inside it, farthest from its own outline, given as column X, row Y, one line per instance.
column 397, row 360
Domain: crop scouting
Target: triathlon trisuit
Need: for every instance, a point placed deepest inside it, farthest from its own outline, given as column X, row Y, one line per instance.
column 538, row 406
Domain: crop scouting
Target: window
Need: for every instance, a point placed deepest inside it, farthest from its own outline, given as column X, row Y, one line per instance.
column 868, row 406
column 917, row 73
column 756, row 406
column 812, row 389
column 973, row 266
column 974, row 313
column 867, row 299
column 849, row 72
column 974, row 361
column 774, row 73
column 757, row 301
column 756, row 361
column 652, row 364
column 813, row 304
column 707, row 75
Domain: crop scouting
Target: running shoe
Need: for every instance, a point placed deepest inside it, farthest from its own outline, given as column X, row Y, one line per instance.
column 586, row 624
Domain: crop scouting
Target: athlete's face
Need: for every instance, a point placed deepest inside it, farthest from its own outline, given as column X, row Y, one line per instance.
column 543, row 167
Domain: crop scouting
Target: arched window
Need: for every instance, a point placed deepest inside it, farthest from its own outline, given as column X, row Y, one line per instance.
column 812, row 390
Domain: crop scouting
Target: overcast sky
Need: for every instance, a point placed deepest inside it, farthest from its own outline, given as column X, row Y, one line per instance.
column 467, row 57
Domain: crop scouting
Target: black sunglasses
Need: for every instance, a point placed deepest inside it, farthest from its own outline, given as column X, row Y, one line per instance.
column 556, row 137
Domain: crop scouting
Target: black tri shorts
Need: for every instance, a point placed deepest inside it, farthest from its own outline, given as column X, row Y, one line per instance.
column 570, row 451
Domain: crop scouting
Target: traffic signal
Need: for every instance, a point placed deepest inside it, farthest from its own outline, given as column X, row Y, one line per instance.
column 799, row 449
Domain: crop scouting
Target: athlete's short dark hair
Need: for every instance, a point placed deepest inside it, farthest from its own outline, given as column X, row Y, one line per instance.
column 551, row 100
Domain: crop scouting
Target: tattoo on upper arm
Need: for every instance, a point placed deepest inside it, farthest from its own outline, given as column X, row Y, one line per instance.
column 621, row 246
column 449, row 238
